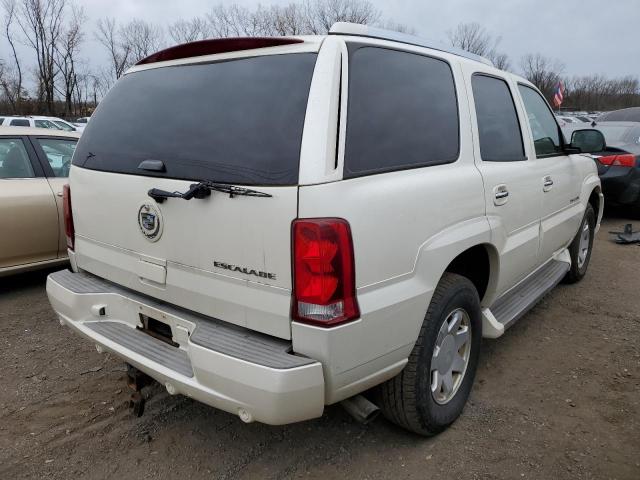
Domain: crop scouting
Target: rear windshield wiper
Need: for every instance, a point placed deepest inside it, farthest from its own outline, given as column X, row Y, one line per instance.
column 203, row 190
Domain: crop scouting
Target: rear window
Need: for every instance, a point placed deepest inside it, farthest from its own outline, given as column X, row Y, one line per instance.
column 614, row 133
column 403, row 112
column 237, row 121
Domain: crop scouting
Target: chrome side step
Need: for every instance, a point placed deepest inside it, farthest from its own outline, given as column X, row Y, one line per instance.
column 519, row 300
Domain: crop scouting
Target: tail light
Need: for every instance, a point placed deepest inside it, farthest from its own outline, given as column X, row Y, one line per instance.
column 324, row 285
column 68, row 217
column 625, row 160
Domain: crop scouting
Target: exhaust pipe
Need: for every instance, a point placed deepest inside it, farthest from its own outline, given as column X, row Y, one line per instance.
column 361, row 409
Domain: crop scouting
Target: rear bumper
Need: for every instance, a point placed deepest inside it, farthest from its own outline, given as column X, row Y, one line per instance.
column 621, row 185
column 231, row 368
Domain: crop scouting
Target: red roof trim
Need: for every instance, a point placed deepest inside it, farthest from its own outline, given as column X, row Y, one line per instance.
column 218, row 45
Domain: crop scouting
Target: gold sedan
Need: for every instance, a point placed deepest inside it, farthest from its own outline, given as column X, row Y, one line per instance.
column 34, row 166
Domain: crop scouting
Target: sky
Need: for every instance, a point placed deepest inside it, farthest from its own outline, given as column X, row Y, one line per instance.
column 587, row 36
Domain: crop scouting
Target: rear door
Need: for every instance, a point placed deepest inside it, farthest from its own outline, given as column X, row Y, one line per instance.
column 236, row 121
column 559, row 176
column 28, row 213
column 512, row 194
column 55, row 155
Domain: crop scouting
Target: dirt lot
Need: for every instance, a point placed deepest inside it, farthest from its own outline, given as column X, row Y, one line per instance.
column 557, row 397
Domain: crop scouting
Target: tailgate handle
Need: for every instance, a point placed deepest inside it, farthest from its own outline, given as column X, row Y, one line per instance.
column 152, row 166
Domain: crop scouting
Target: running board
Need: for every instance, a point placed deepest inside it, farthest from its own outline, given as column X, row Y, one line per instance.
column 519, row 300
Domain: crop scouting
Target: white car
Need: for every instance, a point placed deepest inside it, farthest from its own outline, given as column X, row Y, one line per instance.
column 564, row 120
column 29, row 121
column 281, row 224
column 82, row 121
column 63, row 124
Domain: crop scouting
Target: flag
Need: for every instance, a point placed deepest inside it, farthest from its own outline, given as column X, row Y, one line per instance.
column 558, row 95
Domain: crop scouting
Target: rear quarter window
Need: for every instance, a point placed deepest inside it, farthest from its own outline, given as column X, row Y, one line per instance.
column 238, row 121
column 402, row 111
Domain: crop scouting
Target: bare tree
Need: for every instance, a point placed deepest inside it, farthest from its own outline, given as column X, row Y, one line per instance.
column 128, row 43
column 11, row 80
column 143, row 38
column 596, row 92
column 322, row 14
column 41, row 24
column 474, row 38
column 183, row 31
column 67, row 51
column 543, row 72
column 297, row 18
column 500, row 60
column 287, row 20
column 471, row 37
column 237, row 21
column 119, row 52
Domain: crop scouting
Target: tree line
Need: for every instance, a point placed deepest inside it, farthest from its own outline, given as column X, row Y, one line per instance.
column 591, row 92
column 57, row 79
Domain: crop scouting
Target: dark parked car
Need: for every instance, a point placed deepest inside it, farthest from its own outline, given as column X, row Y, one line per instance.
column 619, row 164
column 624, row 115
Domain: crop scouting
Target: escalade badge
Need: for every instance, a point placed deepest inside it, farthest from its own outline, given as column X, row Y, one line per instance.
column 150, row 222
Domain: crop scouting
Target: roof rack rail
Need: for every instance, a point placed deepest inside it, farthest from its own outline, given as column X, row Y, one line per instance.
column 358, row 30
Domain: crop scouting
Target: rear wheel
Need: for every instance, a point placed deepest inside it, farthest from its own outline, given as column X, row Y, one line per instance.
column 581, row 246
column 431, row 391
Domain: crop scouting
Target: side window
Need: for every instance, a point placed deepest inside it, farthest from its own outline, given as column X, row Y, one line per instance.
column 20, row 122
column 498, row 126
column 402, row 113
column 14, row 160
column 45, row 124
column 545, row 130
column 58, row 153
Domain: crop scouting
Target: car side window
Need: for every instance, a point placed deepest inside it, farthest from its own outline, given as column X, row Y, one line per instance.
column 14, row 159
column 19, row 122
column 58, row 152
column 46, row 124
column 402, row 112
column 498, row 125
column 544, row 128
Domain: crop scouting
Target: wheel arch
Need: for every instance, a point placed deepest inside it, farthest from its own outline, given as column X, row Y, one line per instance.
column 480, row 264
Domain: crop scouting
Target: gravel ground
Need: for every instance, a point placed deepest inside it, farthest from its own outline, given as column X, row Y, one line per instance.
column 558, row 396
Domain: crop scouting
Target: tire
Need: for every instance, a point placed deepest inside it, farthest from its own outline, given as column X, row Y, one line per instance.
column 580, row 261
column 407, row 399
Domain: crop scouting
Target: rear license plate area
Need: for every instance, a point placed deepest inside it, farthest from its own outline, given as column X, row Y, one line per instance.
column 157, row 329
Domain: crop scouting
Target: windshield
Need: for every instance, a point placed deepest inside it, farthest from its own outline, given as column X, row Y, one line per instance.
column 237, row 121
column 64, row 126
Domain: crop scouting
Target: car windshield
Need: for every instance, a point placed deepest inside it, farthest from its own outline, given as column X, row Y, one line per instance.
column 236, row 121
column 64, row 125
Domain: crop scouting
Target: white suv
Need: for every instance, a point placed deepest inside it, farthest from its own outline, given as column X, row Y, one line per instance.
column 30, row 121
column 270, row 226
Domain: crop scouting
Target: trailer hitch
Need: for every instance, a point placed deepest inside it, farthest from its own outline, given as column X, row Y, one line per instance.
column 137, row 380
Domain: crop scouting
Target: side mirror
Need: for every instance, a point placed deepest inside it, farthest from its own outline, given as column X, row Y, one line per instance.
column 588, row 141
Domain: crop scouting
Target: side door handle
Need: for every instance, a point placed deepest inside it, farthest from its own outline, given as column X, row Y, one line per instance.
column 547, row 183
column 500, row 194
